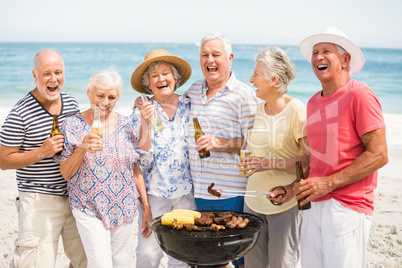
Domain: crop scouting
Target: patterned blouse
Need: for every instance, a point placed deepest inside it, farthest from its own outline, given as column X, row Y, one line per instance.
column 104, row 185
column 168, row 174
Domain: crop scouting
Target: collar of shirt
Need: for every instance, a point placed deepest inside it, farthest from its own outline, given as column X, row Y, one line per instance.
column 228, row 86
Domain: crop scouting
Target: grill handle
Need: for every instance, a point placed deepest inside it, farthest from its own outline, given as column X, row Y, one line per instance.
column 238, row 242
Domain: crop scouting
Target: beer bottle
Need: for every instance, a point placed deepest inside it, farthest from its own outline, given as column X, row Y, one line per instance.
column 155, row 119
column 97, row 129
column 198, row 133
column 55, row 129
column 299, row 178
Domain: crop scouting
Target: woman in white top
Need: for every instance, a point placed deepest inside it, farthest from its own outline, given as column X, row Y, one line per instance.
column 276, row 141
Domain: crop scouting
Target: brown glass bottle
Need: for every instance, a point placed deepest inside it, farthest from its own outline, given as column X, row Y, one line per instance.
column 55, row 129
column 299, row 178
column 198, row 133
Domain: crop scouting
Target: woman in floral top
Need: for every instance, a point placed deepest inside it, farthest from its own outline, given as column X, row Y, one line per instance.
column 104, row 186
column 167, row 177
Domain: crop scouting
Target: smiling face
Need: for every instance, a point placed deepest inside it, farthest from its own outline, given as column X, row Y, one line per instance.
column 215, row 63
column 104, row 98
column 328, row 64
column 162, row 81
column 260, row 82
column 48, row 74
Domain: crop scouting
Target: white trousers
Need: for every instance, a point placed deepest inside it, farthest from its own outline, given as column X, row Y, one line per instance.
column 149, row 253
column 105, row 248
column 334, row 236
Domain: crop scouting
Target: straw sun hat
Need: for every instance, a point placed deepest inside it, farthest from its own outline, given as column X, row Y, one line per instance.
column 335, row 36
column 182, row 66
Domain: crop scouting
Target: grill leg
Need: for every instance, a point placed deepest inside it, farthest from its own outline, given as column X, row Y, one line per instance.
column 236, row 264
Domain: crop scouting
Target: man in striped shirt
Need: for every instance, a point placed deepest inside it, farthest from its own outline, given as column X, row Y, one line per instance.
column 43, row 207
column 225, row 108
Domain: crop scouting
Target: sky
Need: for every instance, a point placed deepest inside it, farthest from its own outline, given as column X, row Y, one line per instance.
column 369, row 23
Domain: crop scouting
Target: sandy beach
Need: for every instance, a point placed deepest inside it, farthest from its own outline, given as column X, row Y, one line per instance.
column 385, row 242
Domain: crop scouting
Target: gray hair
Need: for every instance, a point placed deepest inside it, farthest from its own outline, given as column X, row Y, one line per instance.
column 152, row 68
column 226, row 43
column 276, row 62
column 341, row 50
column 106, row 79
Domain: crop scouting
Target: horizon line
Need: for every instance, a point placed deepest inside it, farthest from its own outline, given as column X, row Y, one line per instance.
column 168, row 42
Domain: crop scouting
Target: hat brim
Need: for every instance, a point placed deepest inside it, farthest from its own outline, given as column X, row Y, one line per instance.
column 357, row 58
column 182, row 66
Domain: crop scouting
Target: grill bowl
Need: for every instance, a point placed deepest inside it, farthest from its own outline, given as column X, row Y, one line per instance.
column 207, row 247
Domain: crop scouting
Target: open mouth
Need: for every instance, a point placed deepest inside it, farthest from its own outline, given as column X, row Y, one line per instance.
column 212, row 69
column 52, row 89
column 163, row 86
column 322, row 67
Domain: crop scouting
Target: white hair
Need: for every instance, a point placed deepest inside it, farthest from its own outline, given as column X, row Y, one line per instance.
column 226, row 43
column 276, row 62
column 106, row 79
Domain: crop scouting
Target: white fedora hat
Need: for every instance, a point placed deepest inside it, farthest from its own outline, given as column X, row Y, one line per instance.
column 335, row 36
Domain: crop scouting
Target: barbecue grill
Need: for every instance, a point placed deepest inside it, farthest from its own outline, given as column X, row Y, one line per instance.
column 207, row 248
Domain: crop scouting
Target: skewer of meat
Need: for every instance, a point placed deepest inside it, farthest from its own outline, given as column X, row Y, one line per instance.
column 213, row 191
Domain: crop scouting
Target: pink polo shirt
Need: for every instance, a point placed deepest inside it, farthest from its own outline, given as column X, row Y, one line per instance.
column 335, row 124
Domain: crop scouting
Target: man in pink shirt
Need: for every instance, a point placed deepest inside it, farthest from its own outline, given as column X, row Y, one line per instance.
column 346, row 134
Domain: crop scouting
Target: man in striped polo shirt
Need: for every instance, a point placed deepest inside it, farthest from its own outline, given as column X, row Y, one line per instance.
column 43, row 207
column 225, row 108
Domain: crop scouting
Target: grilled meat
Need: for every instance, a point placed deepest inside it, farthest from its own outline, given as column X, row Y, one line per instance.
column 192, row 227
column 213, row 191
column 243, row 224
column 203, row 221
column 221, row 220
column 226, row 214
column 208, row 214
column 217, row 227
column 177, row 225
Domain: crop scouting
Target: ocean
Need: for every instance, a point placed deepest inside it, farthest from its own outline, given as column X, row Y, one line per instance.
column 382, row 71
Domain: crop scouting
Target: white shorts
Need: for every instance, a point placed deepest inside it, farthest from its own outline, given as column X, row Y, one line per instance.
column 334, row 236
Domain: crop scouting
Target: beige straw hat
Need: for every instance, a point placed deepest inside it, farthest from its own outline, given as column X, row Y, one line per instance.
column 335, row 36
column 182, row 66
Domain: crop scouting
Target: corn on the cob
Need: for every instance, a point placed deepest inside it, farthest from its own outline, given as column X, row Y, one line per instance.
column 187, row 212
column 167, row 218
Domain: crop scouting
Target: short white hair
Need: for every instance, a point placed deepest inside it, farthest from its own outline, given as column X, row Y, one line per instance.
column 106, row 79
column 226, row 43
column 276, row 62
